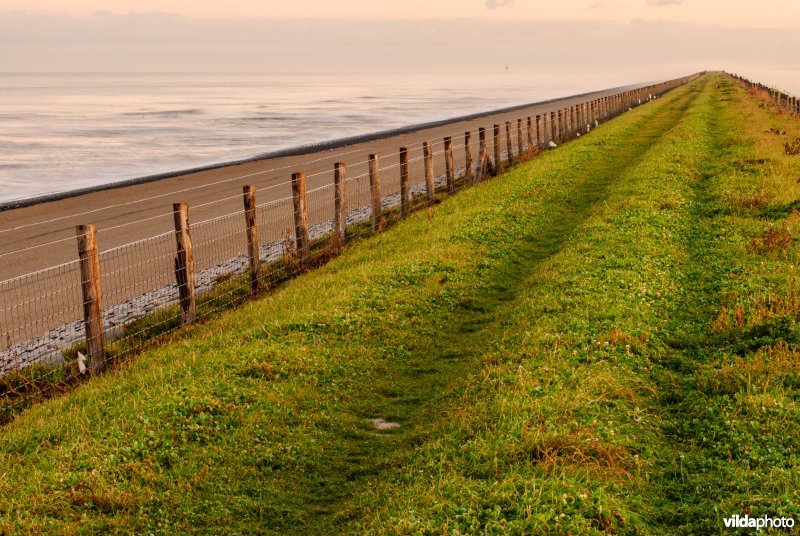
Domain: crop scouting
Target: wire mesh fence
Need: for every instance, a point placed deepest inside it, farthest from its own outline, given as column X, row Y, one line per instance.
column 148, row 288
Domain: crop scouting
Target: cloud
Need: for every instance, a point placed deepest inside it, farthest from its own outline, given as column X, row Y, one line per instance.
column 173, row 43
column 494, row 4
column 662, row 3
column 600, row 4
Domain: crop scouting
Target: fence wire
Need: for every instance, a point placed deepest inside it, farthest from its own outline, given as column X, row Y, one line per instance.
column 42, row 313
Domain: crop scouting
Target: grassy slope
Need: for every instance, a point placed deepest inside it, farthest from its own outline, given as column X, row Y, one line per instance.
column 553, row 343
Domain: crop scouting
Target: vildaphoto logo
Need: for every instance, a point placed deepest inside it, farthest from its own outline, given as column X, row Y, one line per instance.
column 747, row 522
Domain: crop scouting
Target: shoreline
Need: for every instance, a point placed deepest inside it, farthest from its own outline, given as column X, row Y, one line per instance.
column 298, row 150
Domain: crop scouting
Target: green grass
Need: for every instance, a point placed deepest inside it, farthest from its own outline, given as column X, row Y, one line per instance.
column 603, row 339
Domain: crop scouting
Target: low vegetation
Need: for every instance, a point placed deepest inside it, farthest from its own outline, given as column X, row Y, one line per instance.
column 602, row 340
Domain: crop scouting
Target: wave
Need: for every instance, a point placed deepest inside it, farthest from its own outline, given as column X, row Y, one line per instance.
column 165, row 113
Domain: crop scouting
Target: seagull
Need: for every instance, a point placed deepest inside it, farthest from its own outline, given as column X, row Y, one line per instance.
column 81, row 363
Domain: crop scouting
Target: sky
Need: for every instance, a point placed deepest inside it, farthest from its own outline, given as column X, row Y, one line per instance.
column 730, row 13
column 646, row 36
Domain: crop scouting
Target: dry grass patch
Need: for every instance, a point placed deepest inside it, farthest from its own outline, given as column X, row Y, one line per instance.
column 768, row 368
column 617, row 337
column 774, row 240
column 758, row 200
column 773, row 304
column 792, row 148
column 580, row 447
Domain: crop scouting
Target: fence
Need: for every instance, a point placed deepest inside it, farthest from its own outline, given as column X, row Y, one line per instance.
column 783, row 100
column 105, row 305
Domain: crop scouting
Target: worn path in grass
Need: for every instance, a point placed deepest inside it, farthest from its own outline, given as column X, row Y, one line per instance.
column 728, row 382
column 410, row 392
column 645, row 379
column 260, row 421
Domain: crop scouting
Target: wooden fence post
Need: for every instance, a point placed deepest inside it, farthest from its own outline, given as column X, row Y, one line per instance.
column 496, row 149
column 253, row 256
column 430, row 187
column 449, row 165
column 483, row 157
column 184, row 263
column 467, row 156
column 92, row 298
column 571, row 121
column 375, row 189
column 405, row 186
column 539, row 132
column 300, row 215
column 585, row 116
column 519, row 138
column 340, row 201
column 509, row 146
column 565, row 125
column 530, row 134
column 553, row 127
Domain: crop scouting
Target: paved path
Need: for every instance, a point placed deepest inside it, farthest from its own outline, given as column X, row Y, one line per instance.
column 124, row 204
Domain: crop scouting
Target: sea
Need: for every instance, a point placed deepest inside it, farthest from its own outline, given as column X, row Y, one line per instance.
column 64, row 131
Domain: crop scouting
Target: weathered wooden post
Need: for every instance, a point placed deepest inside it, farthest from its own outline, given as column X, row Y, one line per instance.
column 530, row 134
column 572, row 121
column 253, row 257
column 584, row 115
column 375, row 189
column 405, row 185
column 483, row 157
column 520, row 144
column 539, row 131
column 575, row 117
column 429, row 185
column 560, row 126
column 184, row 263
column 467, row 156
column 553, row 127
column 300, row 215
column 340, row 201
column 92, row 299
column 509, row 146
column 449, row 165
column 568, row 120
column 496, row 149
column 587, row 112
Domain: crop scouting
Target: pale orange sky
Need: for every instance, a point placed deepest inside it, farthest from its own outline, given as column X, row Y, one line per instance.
column 730, row 13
